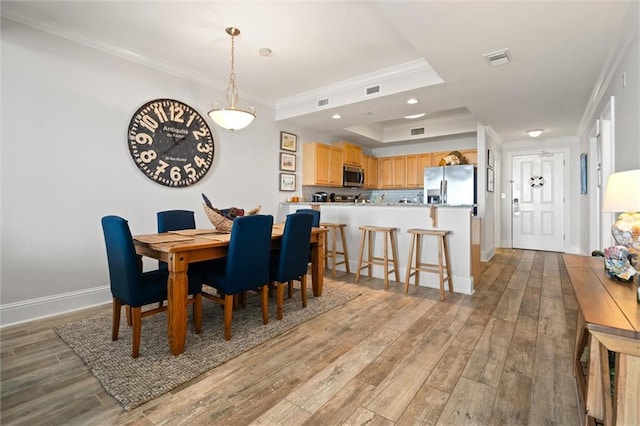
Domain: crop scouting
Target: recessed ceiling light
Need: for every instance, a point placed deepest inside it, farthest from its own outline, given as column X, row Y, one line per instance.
column 534, row 133
column 264, row 51
column 412, row 101
column 422, row 114
column 336, row 116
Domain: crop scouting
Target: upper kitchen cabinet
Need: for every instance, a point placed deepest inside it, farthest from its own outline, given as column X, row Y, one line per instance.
column 370, row 167
column 415, row 165
column 392, row 172
column 321, row 164
column 471, row 155
column 351, row 154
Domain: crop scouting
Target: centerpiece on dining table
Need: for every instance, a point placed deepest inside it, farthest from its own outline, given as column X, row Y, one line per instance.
column 222, row 219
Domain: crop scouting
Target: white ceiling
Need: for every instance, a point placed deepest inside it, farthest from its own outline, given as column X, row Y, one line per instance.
column 337, row 49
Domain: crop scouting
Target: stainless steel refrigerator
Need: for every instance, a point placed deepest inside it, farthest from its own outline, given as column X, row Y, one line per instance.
column 453, row 185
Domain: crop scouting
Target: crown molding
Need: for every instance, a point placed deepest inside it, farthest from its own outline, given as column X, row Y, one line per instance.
column 131, row 55
column 628, row 34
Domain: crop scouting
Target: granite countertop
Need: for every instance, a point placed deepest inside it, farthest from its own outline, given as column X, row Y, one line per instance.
column 380, row 204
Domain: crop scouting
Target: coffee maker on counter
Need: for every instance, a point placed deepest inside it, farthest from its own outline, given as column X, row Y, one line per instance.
column 320, row 197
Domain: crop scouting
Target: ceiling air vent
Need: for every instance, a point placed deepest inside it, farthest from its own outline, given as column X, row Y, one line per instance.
column 417, row 131
column 373, row 89
column 323, row 102
column 499, row 57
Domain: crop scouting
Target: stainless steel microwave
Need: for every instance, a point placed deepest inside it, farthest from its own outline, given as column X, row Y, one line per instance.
column 352, row 177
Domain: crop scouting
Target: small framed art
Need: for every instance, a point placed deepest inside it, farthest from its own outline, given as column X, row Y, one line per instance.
column 287, row 182
column 288, row 142
column 287, row 162
column 490, row 158
column 583, row 173
column 489, row 180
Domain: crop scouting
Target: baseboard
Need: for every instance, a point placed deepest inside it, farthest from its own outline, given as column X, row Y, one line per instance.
column 487, row 255
column 43, row 307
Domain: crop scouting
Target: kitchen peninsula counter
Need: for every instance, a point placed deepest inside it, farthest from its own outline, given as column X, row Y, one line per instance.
column 464, row 240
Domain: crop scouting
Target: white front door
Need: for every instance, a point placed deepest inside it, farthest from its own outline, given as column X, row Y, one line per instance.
column 537, row 202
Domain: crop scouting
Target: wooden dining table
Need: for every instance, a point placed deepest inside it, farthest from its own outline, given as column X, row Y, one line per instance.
column 180, row 248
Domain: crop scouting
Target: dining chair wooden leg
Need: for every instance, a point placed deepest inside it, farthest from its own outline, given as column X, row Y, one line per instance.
column 228, row 312
column 265, row 304
column 115, row 327
column 136, row 319
column 303, row 289
column 279, row 299
column 197, row 313
column 127, row 310
column 290, row 289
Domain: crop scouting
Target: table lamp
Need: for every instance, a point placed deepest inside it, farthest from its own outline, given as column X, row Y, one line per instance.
column 623, row 196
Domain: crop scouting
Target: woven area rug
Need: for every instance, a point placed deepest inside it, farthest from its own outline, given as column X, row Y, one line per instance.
column 136, row 381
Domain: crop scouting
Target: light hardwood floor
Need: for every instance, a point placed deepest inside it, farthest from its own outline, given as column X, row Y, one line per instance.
column 501, row 356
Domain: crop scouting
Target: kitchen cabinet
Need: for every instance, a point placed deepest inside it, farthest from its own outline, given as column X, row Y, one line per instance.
column 351, row 154
column 321, row 164
column 370, row 166
column 392, row 172
column 336, row 160
column 399, row 172
column 385, row 172
column 471, row 155
column 415, row 165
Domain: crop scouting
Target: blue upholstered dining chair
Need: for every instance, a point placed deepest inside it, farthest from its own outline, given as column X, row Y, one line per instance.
column 246, row 267
column 129, row 285
column 316, row 224
column 176, row 220
column 314, row 213
column 291, row 261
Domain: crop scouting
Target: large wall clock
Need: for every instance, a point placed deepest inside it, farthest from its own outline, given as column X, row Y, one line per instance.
column 170, row 142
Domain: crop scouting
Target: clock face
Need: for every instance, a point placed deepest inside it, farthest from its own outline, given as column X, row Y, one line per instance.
column 170, row 142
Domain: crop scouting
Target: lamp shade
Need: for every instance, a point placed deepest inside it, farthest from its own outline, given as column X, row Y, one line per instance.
column 623, row 192
column 231, row 118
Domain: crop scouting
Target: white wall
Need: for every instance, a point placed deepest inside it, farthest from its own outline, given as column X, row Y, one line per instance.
column 620, row 80
column 65, row 164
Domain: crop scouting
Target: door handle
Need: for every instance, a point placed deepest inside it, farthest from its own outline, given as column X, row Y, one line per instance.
column 516, row 207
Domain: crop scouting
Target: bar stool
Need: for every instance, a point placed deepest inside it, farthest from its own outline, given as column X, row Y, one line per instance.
column 440, row 268
column 333, row 231
column 368, row 234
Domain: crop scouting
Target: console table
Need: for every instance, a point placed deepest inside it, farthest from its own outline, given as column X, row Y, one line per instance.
column 608, row 321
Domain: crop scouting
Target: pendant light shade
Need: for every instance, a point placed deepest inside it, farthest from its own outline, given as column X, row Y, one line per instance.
column 232, row 118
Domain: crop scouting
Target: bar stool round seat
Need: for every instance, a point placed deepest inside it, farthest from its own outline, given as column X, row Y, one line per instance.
column 336, row 229
column 367, row 236
column 415, row 265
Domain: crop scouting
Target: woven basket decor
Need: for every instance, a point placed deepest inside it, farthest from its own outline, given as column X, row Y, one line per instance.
column 223, row 223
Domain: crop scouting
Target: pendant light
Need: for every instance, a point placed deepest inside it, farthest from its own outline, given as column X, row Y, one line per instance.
column 232, row 118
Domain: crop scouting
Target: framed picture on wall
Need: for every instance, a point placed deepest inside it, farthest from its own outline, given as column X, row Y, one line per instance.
column 288, row 141
column 287, row 162
column 583, row 173
column 490, row 158
column 489, row 179
column 287, row 182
